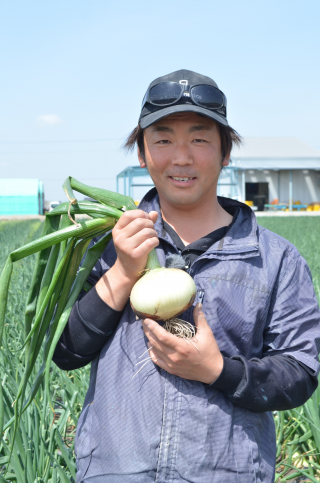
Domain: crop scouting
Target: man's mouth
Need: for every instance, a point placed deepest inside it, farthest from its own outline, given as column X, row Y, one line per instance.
column 176, row 178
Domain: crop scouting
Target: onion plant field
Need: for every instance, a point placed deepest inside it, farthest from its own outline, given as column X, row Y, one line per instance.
column 304, row 233
column 43, row 446
column 298, row 430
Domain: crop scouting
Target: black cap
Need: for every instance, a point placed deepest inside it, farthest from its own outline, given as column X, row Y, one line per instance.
column 151, row 113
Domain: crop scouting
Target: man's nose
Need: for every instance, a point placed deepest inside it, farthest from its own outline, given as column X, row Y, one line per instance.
column 182, row 156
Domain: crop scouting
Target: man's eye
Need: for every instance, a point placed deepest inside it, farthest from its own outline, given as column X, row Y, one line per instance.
column 164, row 141
column 199, row 141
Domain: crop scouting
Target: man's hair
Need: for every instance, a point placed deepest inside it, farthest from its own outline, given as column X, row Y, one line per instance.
column 229, row 137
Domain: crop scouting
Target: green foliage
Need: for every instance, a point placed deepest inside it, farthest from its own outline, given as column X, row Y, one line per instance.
column 304, row 233
column 43, row 449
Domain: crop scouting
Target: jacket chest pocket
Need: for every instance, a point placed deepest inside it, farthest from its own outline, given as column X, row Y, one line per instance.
column 236, row 311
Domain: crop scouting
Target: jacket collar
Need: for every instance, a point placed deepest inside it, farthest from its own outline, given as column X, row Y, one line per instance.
column 241, row 238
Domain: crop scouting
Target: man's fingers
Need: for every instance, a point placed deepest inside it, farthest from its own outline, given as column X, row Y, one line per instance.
column 158, row 361
column 199, row 317
column 131, row 215
column 153, row 216
column 159, row 335
column 145, row 234
column 145, row 247
column 196, row 310
column 134, row 227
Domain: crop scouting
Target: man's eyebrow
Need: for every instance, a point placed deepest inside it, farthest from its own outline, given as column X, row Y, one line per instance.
column 162, row 129
column 200, row 127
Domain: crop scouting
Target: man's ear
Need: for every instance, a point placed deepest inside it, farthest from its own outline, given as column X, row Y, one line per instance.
column 225, row 161
column 141, row 160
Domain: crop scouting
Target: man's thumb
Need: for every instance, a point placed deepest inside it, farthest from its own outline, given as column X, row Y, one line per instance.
column 153, row 215
column 198, row 316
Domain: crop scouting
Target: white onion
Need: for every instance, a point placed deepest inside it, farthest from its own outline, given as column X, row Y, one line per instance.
column 162, row 293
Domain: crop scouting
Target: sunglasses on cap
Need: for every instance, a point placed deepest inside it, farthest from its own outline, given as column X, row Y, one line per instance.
column 168, row 93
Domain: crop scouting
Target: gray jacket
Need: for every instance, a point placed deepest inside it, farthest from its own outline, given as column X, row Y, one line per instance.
column 157, row 427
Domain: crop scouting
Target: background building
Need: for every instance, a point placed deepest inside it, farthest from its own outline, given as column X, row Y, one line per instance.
column 263, row 170
column 277, row 168
column 21, row 197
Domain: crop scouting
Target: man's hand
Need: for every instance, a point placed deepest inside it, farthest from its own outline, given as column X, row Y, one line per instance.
column 180, row 357
column 134, row 237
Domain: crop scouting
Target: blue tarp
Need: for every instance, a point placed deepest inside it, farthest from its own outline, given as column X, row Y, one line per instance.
column 21, row 197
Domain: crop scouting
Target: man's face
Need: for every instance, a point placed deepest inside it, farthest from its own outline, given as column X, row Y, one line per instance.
column 183, row 156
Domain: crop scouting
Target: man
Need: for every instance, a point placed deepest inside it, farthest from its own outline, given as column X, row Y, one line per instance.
column 191, row 414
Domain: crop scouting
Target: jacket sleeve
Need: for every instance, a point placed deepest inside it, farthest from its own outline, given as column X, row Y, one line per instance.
column 286, row 375
column 90, row 324
column 273, row 383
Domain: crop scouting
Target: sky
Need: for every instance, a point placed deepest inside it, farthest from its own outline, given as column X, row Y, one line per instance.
column 74, row 72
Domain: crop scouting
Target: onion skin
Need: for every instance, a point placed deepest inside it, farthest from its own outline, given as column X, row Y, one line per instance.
column 162, row 294
column 156, row 317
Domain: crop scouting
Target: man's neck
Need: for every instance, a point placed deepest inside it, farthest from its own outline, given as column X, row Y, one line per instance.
column 192, row 223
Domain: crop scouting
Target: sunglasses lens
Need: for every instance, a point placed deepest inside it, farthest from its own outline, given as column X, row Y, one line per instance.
column 207, row 96
column 164, row 93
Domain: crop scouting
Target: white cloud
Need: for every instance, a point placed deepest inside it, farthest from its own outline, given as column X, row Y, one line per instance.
column 49, row 120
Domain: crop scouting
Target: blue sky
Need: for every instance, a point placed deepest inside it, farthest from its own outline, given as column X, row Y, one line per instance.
column 73, row 74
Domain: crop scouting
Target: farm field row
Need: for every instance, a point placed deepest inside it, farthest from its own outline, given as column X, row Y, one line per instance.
column 43, row 450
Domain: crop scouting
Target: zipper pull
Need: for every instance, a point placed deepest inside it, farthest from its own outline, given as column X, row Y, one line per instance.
column 201, row 296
